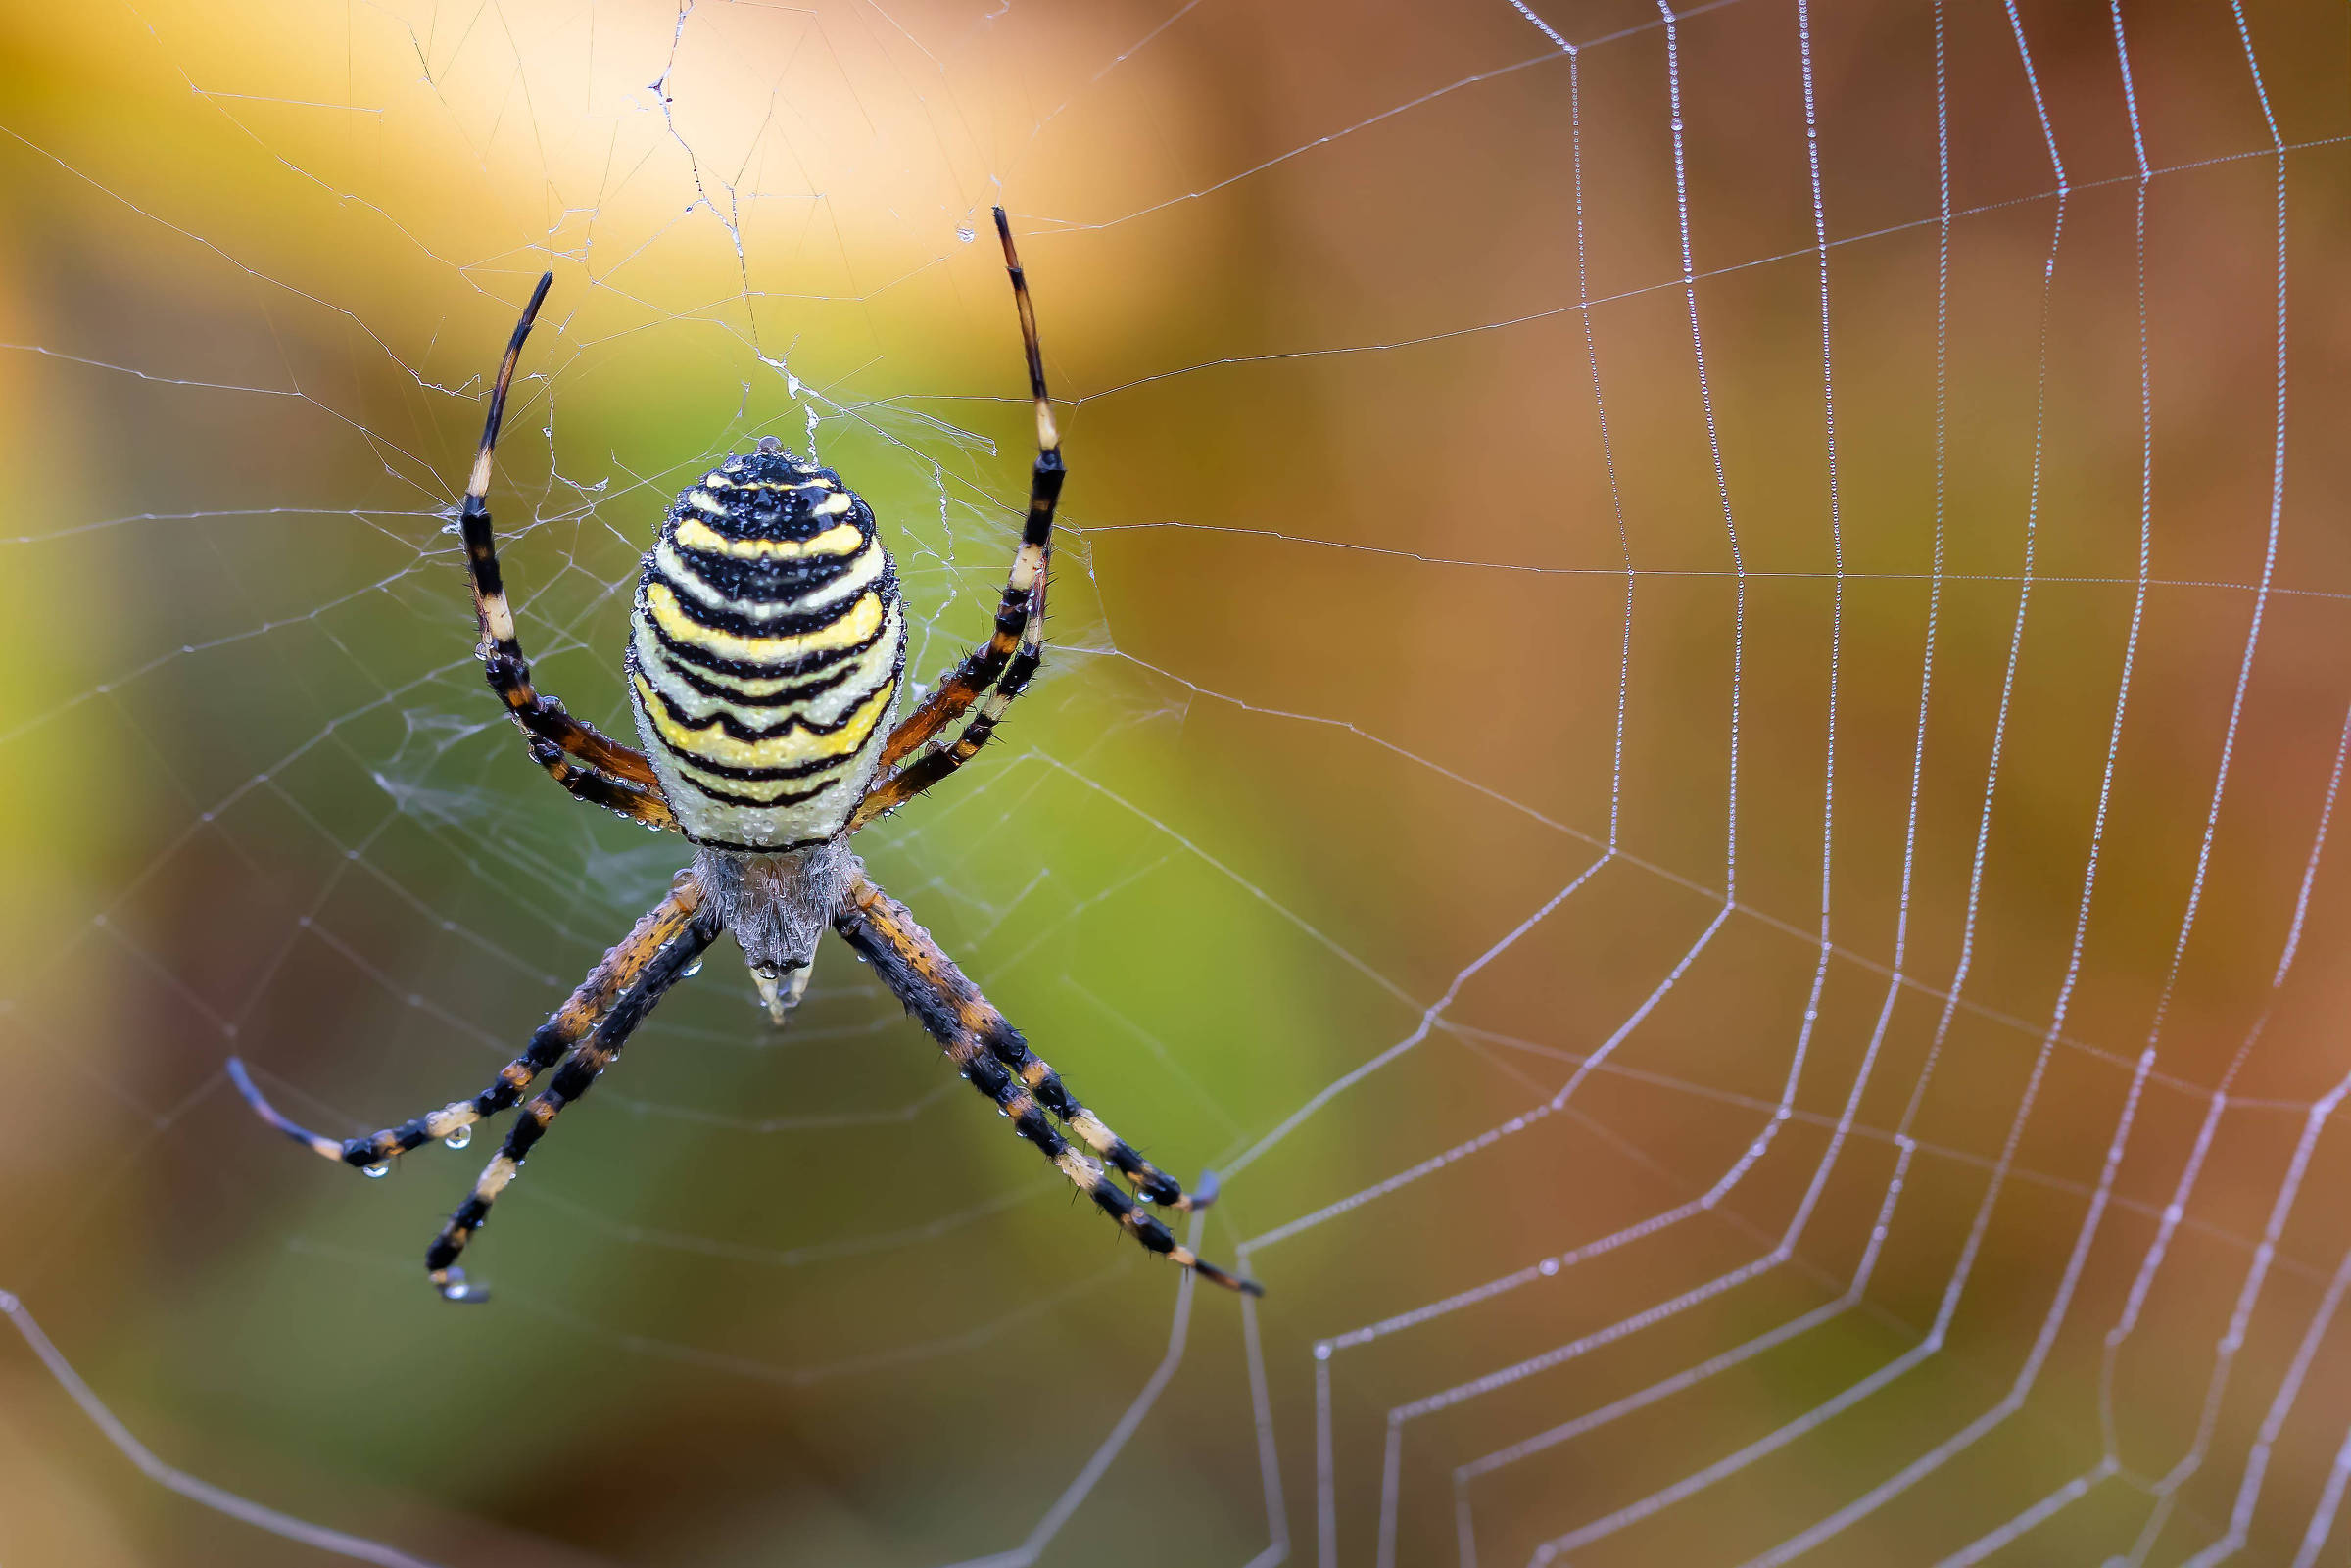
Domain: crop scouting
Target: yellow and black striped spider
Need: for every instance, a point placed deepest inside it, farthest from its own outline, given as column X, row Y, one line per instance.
column 765, row 651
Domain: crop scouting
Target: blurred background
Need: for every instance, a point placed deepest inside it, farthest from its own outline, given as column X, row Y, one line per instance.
column 1700, row 666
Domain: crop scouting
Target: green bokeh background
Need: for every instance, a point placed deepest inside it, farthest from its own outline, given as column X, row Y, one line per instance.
column 1340, row 649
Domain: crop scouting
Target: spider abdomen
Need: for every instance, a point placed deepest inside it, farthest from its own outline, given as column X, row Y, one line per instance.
column 764, row 654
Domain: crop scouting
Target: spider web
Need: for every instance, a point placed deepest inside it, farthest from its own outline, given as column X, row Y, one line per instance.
column 1699, row 687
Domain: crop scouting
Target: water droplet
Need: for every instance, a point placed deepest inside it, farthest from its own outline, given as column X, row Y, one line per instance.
column 690, row 970
column 457, row 1139
column 965, row 233
column 376, row 1173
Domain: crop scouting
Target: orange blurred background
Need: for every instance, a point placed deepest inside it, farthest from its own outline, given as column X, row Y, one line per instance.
column 1722, row 837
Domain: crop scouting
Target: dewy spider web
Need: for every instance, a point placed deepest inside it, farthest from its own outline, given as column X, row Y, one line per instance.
column 1697, row 700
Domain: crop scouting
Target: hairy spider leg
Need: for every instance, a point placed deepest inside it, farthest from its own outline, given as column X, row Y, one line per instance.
column 565, row 1028
column 978, row 1017
column 1013, row 651
column 614, row 775
column 993, row 1056
column 666, row 965
column 637, row 802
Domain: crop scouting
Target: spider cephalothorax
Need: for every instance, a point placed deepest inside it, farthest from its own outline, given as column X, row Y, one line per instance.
column 765, row 651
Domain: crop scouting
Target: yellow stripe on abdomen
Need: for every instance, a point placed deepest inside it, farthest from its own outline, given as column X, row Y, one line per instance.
column 795, row 746
column 855, row 625
column 846, row 584
column 694, row 534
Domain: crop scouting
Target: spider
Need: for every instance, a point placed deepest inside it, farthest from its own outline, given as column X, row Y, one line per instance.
column 766, row 646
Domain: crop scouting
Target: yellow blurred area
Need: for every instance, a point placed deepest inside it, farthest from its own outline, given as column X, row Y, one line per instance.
column 1696, row 700
column 357, row 156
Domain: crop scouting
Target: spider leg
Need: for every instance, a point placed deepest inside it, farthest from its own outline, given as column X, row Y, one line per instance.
column 998, row 1061
column 542, row 718
column 1013, row 651
column 637, row 802
column 565, row 1028
column 933, row 766
column 666, row 965
column 976, row 1017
